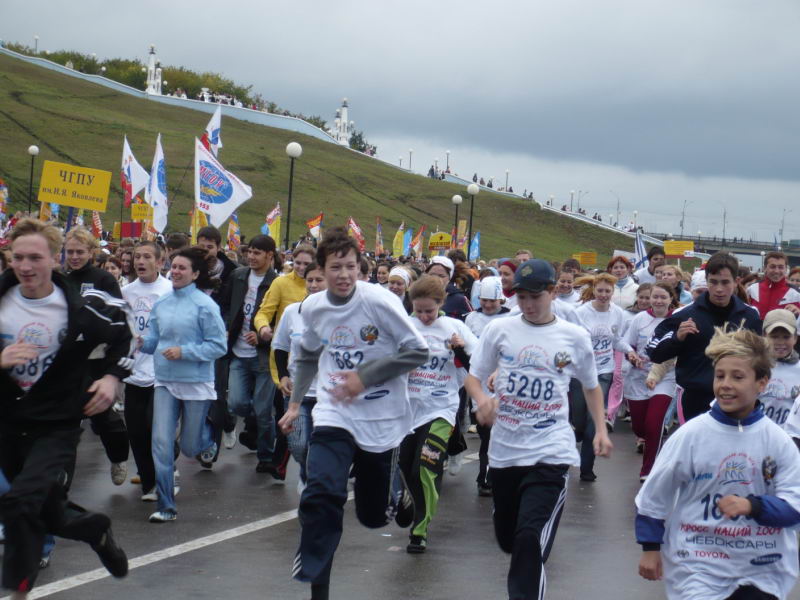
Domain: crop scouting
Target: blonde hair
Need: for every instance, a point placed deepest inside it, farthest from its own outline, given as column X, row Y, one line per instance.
column 587, row 283
column 678, row 273
column 427, row 286
column 29, row 226
column 741, row 343
column 82, row 236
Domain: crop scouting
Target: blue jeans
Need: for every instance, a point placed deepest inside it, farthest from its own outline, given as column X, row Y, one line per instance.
column 250, row 391
column 196, row 435
column 49, row 539
column 301, row 434
column 587, row 446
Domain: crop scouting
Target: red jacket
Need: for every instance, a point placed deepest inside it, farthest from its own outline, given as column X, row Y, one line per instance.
column 767, row 296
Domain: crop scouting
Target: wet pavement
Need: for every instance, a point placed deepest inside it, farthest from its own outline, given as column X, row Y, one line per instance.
column 236, row 536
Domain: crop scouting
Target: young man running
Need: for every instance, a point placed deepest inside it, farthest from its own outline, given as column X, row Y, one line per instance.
column 141, row 295
column 532, row 445
column 655, row 258
column 774, row 292
column 48, row 332
column 687, row 332
column 362, row 344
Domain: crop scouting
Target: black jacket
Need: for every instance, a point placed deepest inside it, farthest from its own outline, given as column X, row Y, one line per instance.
column 232, row 307
column 59, row 395
column 456, row 304
column 89, row 277
column 228, row 267
column 693, row 369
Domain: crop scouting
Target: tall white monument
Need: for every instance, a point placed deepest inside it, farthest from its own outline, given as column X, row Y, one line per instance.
column 153, row 74
column 342, row 128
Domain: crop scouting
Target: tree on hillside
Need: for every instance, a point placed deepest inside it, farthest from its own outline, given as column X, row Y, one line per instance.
column 360, row 143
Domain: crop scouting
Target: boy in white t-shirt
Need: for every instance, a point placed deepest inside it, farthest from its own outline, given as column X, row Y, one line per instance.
column 714, row 516
column 532, row 447
column 362, row 344
column 780, row 329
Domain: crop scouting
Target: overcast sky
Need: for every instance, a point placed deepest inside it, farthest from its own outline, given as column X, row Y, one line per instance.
column 653, row 103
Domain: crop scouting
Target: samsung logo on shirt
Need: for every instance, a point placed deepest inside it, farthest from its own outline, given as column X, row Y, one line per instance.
column 439, row 393
column 544, row 424
column 376, row 395
column 767, row 559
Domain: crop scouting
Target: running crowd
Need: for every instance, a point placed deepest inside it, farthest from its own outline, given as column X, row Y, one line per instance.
column 372, row 372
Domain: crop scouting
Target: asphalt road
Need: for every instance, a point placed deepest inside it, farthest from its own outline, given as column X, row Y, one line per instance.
column 236, row 536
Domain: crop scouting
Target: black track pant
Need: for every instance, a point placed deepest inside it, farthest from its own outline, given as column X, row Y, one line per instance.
column 527, row 507
column 749, row 592
column 39, row 465
column 110, row 426
column 139, row 419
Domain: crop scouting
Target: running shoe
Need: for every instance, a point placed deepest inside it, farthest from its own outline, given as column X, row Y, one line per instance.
column 163, row 516
column 484, row 490
column 265, row 466
column 639, row 446
column 136, row 480
column 455, row 464
column 248, row 440
column 119, row 472
column 44, row 562
column 229, row 439
column 417, row 545
column 206, row 457
column 151, row 496
column 405, row 505
column 609, row 426
column 588, row 476
column 112, row 556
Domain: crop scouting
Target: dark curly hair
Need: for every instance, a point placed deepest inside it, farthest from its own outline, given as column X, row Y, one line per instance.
column 200, row 265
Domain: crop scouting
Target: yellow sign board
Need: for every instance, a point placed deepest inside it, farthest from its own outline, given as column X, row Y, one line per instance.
column 677, row 248
column 440, row 242
column 79, row 187
column 141, row 212
column 586, row 258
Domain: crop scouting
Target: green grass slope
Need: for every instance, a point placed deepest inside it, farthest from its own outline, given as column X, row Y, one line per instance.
column 81, row 123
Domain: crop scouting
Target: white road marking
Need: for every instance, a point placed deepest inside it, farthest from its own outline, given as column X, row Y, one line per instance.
column 148, row 559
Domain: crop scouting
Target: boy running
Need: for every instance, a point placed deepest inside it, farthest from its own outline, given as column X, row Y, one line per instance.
column 780, row 329
column 362, row 344
column 714, row 516
column 532, row 445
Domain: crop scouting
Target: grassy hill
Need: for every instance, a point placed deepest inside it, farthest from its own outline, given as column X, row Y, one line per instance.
column 81, row 123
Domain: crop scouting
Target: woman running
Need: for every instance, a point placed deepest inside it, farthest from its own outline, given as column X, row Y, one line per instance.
column 625, row 288
column 186, row 336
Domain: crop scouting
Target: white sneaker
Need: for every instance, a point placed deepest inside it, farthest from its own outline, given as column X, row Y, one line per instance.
column 229, row 439
column 119, row 473
column 300, row 487
column 151, row 496
column 456, row 462
column 162, row 516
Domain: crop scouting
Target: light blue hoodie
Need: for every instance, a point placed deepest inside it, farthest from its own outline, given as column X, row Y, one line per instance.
column 190, row 319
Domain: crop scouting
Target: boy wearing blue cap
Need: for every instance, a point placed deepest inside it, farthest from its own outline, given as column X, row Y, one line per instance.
column 532, row 447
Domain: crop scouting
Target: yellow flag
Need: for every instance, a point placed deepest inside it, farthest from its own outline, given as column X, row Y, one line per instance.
column 461, row 236
column 397, row 243
column 44, row 212
column 275, row 229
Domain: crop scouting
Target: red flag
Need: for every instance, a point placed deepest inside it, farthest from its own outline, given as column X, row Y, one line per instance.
column 354, row 230
column 97, row 225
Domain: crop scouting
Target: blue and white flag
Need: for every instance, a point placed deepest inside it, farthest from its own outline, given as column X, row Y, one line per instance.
column 640, row 251
column 475, row 247
column 217, row 192
column 156, row 191
column 211, row 138
column 407, row 237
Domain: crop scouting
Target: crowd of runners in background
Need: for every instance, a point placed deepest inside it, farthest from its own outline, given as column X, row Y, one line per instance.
column 370, row 371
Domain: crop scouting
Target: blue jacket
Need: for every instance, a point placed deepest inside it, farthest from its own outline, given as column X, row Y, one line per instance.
column 190, row 319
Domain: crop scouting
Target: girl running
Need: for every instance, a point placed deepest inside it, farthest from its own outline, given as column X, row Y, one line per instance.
column 625, row 288
column 433, row 390
column 399, row 282
column 780, row 329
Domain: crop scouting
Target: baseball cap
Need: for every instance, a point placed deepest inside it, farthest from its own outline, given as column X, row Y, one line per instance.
column 490, row 288
column 780, row 317
column 534, row 275
column 444, row 261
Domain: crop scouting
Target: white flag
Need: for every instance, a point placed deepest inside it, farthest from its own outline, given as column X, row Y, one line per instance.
column 156, row 192
column 211, row 138
column 134, row 177
column 216, row 191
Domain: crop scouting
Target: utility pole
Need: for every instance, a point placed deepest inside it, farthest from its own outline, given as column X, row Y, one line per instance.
column 783, row 220
column 683, row 215
column 617, row 197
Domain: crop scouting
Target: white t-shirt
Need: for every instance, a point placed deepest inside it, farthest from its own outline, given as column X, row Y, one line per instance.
column 433, row 387
column 141, row 297
column 705, row 555
column 534, row 364
column 640, row 330
column 574, row 298
column 372, row 325
column 287, row 337
column 606, row 329
column 477, row 320
column 782, row 389
column 511, row 301
column 644, row 276
column 38, row 321
column 240, row 347
column 561, row 309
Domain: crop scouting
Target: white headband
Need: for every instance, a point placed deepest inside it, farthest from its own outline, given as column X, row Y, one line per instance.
column 402, row 274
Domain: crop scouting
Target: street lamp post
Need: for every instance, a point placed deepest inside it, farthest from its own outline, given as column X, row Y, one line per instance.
column 635, row 220
column 456, row 199
column 410, row 152
column 33, row 151
column 506, row 188
column 293, row 150
column 447, row 154
column 472, row 190
column 36, row 44
column 571, row 197
column 551, row 199
column 400, row 158
column 786, row 211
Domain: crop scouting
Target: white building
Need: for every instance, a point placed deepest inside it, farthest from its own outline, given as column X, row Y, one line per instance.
column 153, row 74
column 342, row 128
